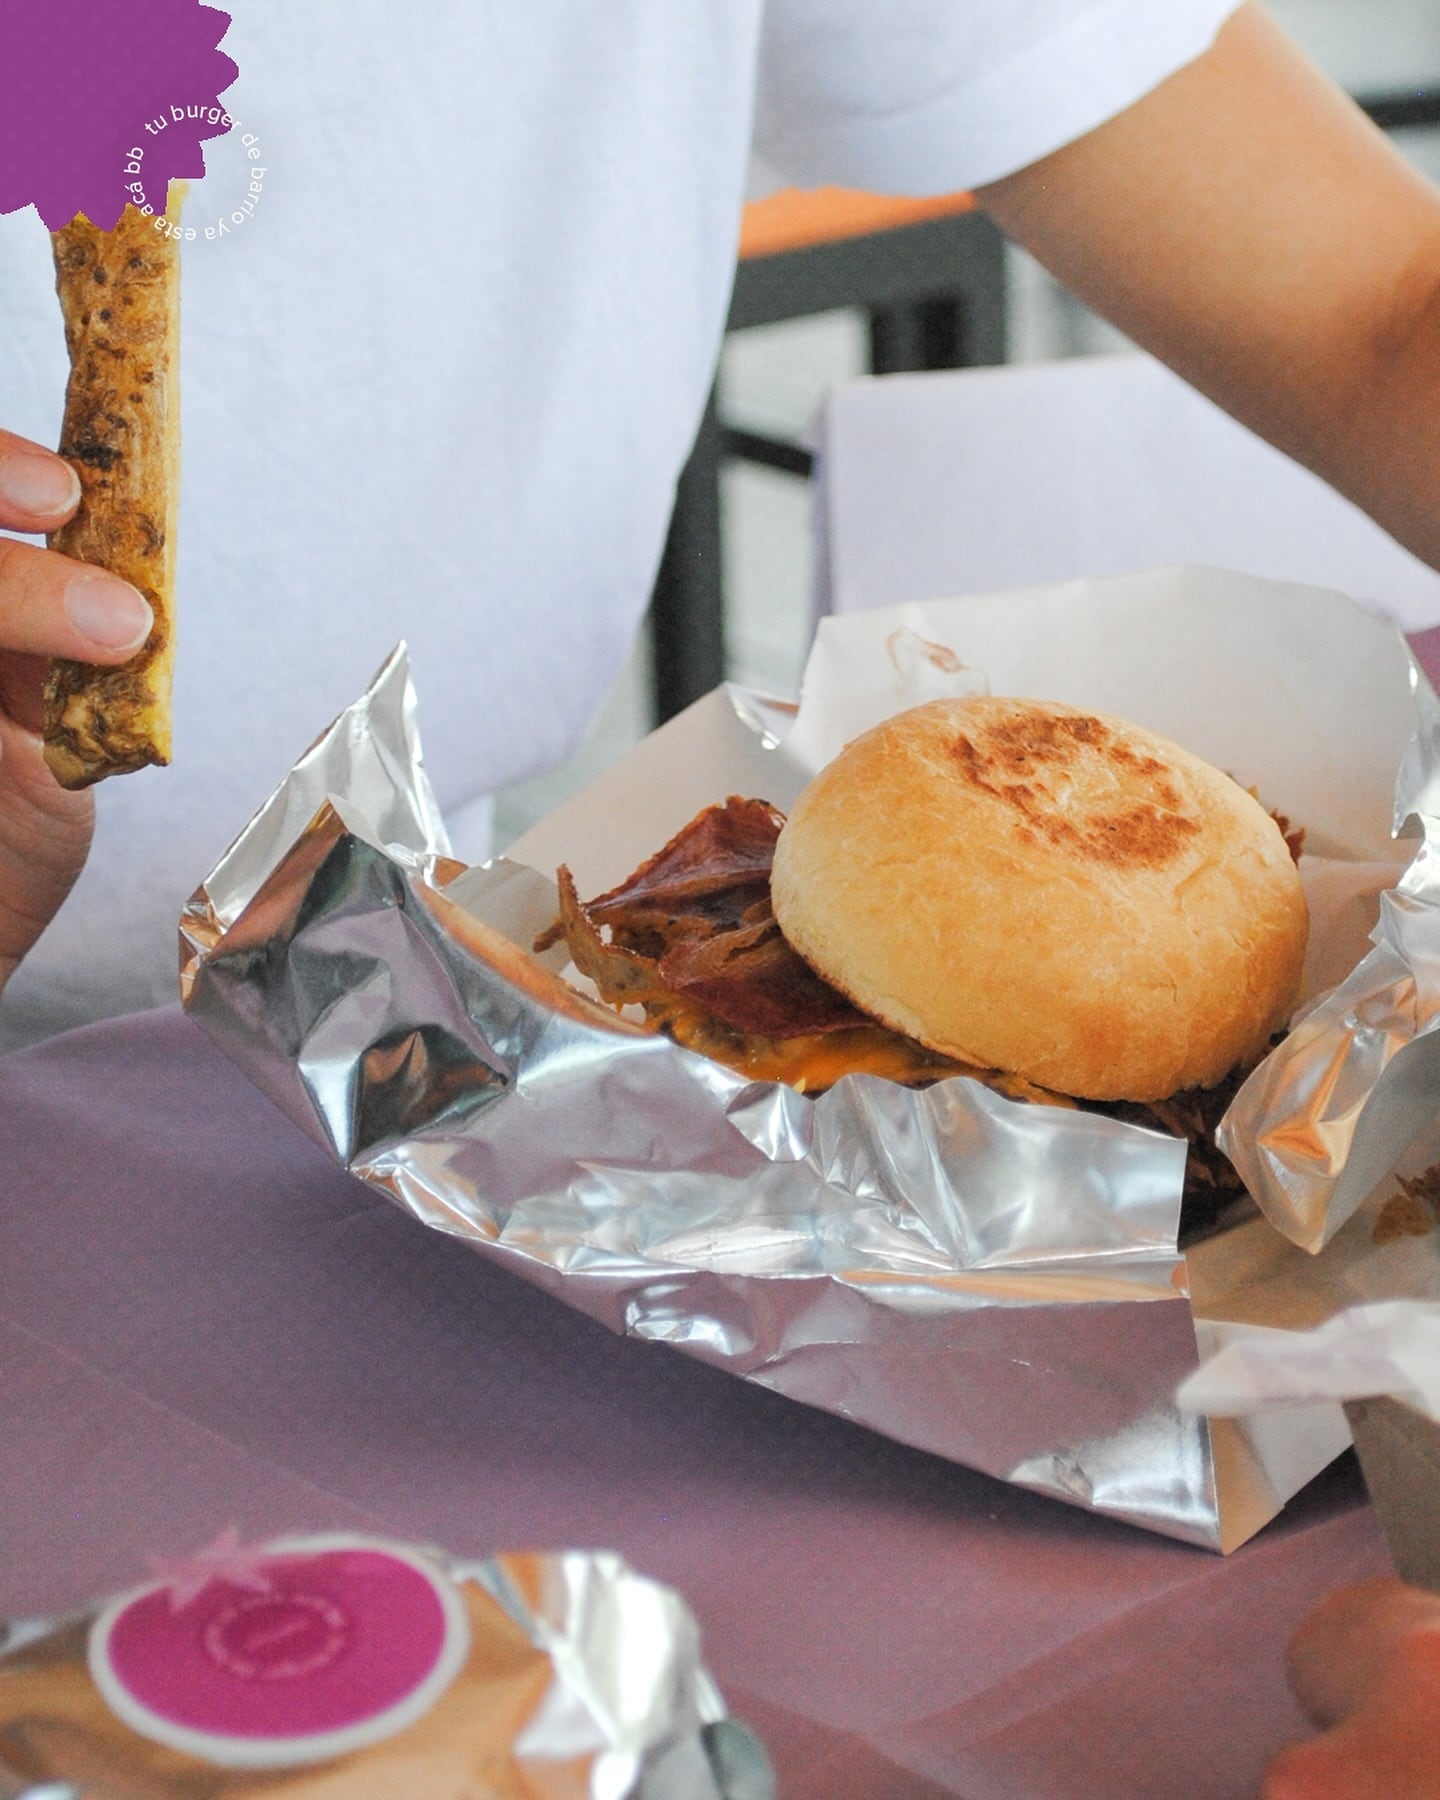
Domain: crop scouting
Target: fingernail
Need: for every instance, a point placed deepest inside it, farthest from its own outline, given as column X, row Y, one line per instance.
column 108, row 611
column 41, row 484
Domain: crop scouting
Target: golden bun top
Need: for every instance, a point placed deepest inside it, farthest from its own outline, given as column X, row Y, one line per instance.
column 1055, row 893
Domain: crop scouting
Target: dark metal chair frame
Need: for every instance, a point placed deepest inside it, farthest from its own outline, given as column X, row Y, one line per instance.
column 935, row 296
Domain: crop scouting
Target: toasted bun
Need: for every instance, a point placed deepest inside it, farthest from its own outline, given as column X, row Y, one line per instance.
column 1049, row 892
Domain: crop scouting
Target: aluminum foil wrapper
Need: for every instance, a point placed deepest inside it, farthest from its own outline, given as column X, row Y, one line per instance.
column 1327, row 1115
column 1382, row 1359
column 990, row 1281
column 561, row 1674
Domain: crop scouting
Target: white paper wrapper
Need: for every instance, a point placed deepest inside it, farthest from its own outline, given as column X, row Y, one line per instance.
column 1388, row 1347
column 1382, row 1362
column 994, row 1282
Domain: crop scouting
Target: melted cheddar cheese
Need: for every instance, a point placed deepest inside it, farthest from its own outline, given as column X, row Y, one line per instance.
column 814, row 1061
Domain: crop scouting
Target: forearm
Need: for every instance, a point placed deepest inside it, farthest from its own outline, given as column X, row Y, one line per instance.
column 1249, row 226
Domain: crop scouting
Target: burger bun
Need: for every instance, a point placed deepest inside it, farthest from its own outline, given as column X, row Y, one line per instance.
column 1053, row 893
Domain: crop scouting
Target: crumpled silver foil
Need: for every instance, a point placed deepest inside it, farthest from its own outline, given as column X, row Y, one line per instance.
column 630, row 1707
column 995, row 1282
column 1328, row 1114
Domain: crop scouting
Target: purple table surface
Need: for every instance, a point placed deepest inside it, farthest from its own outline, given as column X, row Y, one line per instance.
column 203, row 1322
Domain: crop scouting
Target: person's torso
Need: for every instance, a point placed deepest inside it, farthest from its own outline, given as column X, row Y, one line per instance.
column 436, row 384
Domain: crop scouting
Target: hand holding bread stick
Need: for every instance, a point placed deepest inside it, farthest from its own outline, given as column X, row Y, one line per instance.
column 49, row 606
column 85, row 644
column 119, row 293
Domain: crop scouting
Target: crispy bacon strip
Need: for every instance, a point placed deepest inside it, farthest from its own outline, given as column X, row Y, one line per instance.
column 751, row 978
column 715, row 868
column 695, row 922
column 1294, row 836
column 623, row 977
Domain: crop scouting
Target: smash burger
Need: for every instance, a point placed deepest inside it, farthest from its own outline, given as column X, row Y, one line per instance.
column 1052, row 901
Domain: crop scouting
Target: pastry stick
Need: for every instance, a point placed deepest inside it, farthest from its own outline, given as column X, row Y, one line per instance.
column 120, row 296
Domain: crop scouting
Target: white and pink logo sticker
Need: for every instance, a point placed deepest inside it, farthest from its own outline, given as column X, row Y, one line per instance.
column 307, row 1649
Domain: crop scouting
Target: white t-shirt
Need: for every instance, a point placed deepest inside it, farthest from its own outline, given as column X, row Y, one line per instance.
column 439, row 383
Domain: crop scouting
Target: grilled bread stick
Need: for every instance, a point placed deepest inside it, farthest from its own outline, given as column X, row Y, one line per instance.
column 120, row 295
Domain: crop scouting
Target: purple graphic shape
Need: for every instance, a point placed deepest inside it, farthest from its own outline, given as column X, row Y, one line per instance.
column 80, row 83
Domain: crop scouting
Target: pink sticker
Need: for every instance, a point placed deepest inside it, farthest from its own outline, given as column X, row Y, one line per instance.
column 318, row 1647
